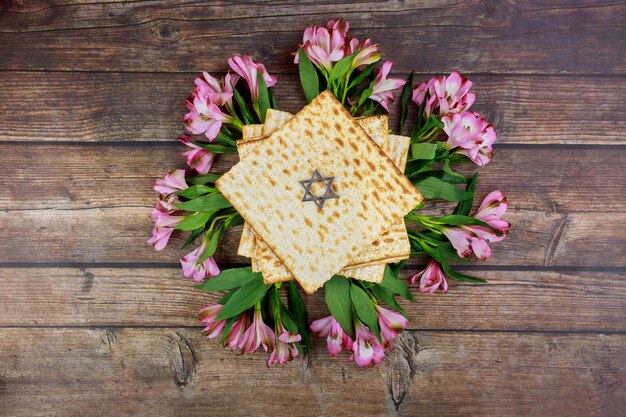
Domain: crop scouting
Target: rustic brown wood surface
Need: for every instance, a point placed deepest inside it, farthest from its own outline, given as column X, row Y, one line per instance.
column 93, row 322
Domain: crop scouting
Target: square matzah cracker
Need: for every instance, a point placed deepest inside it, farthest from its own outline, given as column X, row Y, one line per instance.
column 313, row 243
column 273, row 270
column 392, row 246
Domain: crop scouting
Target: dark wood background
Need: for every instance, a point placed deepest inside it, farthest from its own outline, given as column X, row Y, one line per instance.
column 94, row 322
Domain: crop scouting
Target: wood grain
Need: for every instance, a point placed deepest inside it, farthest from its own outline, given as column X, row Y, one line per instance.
column 91, row 204
column 171, row 371
column 104, row 107
column 471, row 36
column 512, row 300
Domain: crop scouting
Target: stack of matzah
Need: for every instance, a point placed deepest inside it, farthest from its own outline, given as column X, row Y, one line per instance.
column 354, row 235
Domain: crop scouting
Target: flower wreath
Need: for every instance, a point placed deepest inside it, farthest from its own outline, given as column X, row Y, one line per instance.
column 251, row 314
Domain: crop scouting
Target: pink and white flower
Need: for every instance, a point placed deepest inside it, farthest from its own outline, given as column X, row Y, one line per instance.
column 207, row 317
column 325, row 45
column 236, row 332
column 491, row 211
column 367, row 52
column 431, row 278
column 199, row 270
column 172, row 182
column 204, row 116
column 366, row 349
column 391, row 324
column 197, row 158
column 249, row 71
column 286, row 348
column 164, row 223
column 336, row 337
column 471, row 135
column 383, row 86
column 460, row 240
column 445, row 94
column 257, row 335
column 216, row 91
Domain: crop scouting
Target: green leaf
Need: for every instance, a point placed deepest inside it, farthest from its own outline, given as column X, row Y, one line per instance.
column 457, row 220
column 207, row 203
column 435, row 188
column 194, row 221
column 203, row 179
column 300, row 315
column 288, row 320
column 226, row 297
column 431, row 122
column 196, row 191
column 216, row 148
column 244, row 298
column 229, row 279
column 264, row 98
column 224, row 140
column 212, row 245
column 243, row 107
column 364, row 308
column 407, row 92
column 340, row 68
column 464, row 207
column 447, row 251
column 362, row 75
column 308, row 76
column 424, row 150
column 192, row 236
column 386, row 296
column 337, row 293
column 452, row 175
column 365, row 95
column 396, row 285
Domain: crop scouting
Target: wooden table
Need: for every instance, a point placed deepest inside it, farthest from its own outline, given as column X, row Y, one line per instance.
column 93, row 322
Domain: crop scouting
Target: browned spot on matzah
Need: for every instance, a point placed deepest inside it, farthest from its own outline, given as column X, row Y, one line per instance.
column 339, row 141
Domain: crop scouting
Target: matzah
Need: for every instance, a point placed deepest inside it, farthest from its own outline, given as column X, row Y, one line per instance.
column 393, row 246
column 314, row 243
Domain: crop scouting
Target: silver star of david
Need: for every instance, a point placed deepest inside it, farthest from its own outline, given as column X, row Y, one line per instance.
column 327, row 182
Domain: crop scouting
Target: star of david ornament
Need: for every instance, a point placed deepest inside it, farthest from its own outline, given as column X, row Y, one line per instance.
column 327, row 182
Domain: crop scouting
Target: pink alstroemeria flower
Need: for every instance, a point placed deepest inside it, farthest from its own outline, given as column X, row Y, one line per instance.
column 460, row 240
column 491, row 211
column 325, row 45
column 205, row 117
column 199, row 271
column 197, row 158
column 257, row 335
column 366, row 52
column 391, row 324
column 217, row 91
column 286, row 348
column 366, row 350
column 447, row 94
column 164, row 224
column 249, row 71
column 336, row 337
column 172, row 182
column 207, row 317
column 237, row 331
column 431, row 278
column 471, row 135
column 383, row 86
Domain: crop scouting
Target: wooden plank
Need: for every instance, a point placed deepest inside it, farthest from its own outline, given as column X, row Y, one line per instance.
column 473, row 36
column 512, row 300
column 72, row 372
column 82, row 176
column 91, row 204
column 118, row 234
column 131, row 107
